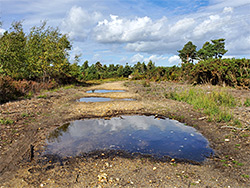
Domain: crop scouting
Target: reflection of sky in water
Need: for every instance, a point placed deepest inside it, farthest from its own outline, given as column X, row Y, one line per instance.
column 101, row 99
column 144, row 134
column 103, row 91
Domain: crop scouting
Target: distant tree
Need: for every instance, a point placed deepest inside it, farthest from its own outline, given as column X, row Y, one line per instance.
column 188, row 53
column 98, row 66
column 215, row 49
column 74, row 70
column 85, row 65
column 137, row 67
column 150, row 65
column 120, row 71
column 206, row 52
column 127, row 70
column 143, row 68
column 219, row 48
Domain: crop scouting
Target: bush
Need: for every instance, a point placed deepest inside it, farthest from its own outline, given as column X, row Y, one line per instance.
column 231, row 72
column 11, row 89
column 8, row 90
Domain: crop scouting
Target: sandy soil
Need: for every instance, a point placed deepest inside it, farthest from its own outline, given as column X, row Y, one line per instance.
column 31, row 120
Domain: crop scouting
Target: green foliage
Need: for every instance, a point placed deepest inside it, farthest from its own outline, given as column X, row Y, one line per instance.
column 216, row 49
column 231, row 72
column 245, row 175
column 247, row 102
column 47, row 51
column 188, row 53
column 6, row 121
column 13, row 59
column 214, row 104
column 42, row 96
column 40, row 55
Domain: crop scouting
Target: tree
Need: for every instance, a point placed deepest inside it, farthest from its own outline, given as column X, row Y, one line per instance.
column 12, row 52
column 150, row 65
column 127, row 70
column 188, row 53
column 206, row 52
column 215, row 49
column 219, row 48
column 47, row 52
column 84, row 66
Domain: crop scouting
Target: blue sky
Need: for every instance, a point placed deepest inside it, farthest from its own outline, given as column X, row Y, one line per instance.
column 127, row 31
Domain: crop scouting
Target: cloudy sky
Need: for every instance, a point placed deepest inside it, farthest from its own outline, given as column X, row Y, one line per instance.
column 120, row 31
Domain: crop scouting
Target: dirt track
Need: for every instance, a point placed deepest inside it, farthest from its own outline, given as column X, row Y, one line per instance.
column 35, row 118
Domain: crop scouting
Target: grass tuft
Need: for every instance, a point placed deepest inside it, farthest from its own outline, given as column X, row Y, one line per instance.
column 214, row 104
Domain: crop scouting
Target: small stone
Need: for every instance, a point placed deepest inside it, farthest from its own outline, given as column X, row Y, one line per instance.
column 202, row 118
column 154, row 168
column 227, row 140
column 198, row 181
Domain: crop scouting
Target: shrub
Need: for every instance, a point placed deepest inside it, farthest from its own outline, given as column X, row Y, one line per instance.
column 11, row 89
column 214, row 104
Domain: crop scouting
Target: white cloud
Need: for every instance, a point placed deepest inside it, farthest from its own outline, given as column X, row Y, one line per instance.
column 228, row 10
column 174, row 60
column 155, row 58
column 209, row 26
column 1, row 31
column 142, row 34
column 182, row 26
column 79, row 22
column 125, row 30
column 136, row 58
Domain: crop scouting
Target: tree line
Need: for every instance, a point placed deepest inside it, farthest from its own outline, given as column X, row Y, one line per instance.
column 40, row 60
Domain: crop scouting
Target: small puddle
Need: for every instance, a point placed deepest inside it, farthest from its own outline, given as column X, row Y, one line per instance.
column 101, row 99
column 142, row 134
column 103, row 91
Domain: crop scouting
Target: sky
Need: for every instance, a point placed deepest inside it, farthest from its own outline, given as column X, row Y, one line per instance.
column 128, row 31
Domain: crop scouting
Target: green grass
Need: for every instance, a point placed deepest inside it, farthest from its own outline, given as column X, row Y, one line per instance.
column 6, row 121
column 42, row 96
column 247, row 102
column 29, row 95
column 214, row 104
column 245, row 176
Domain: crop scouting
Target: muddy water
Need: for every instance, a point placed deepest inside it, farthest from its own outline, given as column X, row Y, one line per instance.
column 143, row 134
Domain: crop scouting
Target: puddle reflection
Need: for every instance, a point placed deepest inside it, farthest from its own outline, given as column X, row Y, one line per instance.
column 143, row 134
column 103, row 91
column 101, row 99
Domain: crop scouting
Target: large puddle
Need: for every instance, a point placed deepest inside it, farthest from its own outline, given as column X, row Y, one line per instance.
column 139, row 133
column 101, row 99
column 103, row 91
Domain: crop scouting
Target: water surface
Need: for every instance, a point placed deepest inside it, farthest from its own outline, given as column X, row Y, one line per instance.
column 101, row 99
column 143, row 134
column 103, row 91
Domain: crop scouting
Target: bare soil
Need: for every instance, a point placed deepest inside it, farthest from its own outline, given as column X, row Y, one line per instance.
column 31, row 120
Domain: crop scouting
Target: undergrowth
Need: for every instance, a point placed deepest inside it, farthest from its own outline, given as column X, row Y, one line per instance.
column 215, row 104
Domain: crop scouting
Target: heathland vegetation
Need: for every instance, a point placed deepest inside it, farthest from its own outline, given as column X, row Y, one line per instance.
column 39, row 60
